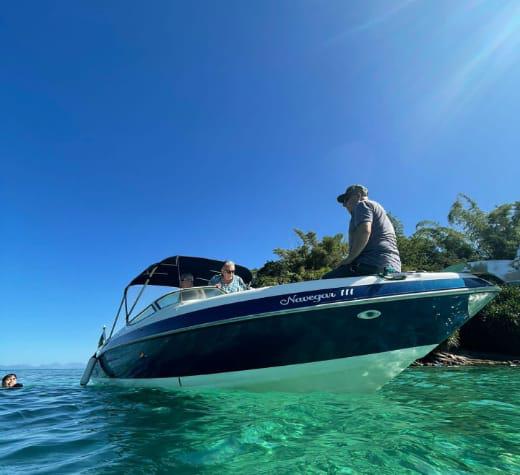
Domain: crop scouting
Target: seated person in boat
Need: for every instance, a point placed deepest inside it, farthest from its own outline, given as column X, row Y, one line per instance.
column 227, row 280
column 186, row 281
column 372, row 239
column 9, row 381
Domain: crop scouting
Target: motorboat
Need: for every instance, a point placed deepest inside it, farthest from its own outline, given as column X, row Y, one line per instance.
column 337, row 335
column 504, row 271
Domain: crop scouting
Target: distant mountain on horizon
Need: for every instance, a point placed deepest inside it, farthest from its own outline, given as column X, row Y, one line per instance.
column 4, row 367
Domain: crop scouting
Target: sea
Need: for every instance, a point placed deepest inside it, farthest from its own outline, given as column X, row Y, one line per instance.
column 462, row 420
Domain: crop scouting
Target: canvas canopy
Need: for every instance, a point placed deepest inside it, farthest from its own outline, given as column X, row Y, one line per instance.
column 168, row 271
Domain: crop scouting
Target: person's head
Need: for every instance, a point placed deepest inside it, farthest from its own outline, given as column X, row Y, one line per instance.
column 186, row 281
column 228, row 271
column 352, row 196
column 9, row 380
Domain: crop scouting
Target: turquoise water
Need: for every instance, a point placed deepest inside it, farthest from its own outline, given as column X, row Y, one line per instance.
column 428, row 420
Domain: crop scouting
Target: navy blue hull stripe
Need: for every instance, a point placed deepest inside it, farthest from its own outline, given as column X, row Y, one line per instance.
column 289, row 302
column 301, row 337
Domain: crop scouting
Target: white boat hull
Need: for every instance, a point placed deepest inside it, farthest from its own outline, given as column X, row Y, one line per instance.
column 366, row 373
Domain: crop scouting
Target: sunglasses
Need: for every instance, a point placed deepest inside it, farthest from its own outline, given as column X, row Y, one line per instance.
column 226, row 271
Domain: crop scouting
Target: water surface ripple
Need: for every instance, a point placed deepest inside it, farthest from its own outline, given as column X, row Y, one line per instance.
column 428, row 420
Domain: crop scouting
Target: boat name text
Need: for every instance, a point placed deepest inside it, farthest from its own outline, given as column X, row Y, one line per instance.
column 316, row 298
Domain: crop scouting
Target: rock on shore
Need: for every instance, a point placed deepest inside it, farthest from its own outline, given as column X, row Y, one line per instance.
column 442, row 358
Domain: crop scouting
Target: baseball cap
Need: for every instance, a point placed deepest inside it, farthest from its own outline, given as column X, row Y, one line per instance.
column 351, row 190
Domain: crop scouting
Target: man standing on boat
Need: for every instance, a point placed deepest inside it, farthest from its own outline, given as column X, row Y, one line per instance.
column 228, row 281
column 372, row 240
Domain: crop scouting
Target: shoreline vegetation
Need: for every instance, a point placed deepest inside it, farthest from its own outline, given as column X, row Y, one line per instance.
column 492, row 337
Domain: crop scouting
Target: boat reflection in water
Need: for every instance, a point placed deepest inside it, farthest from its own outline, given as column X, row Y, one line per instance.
column 340, row 335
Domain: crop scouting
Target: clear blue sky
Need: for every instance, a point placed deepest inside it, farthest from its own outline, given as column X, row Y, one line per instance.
column 131, row 131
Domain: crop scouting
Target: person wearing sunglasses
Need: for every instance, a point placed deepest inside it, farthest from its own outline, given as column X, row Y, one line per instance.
column 227, row 280
column 372, row 239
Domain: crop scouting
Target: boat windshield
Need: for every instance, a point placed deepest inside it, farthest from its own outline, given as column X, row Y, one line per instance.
column 176, row 298
column 169, row 299
column 187, row 295
column 150, row 310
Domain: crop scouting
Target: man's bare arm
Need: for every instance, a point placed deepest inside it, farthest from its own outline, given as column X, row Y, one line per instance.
column 359, row 240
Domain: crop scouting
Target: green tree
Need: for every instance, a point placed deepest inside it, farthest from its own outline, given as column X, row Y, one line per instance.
column 308, row 261
column 440, row 246
column 496, row 328
column 432, row 247
column 494, row 235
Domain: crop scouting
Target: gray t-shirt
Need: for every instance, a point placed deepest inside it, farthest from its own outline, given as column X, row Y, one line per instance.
column 381, row 250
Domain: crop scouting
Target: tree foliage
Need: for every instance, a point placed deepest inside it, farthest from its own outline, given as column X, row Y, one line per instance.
column 497, row 326
column 493, row 235
column 472, row 235
column 308, row 261
column 433, row 247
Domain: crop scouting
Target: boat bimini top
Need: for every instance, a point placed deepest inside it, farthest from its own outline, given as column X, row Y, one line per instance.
column 167, row 273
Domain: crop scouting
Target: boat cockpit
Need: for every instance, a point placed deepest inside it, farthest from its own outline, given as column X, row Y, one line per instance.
column 167, row 273
column 175, row 299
